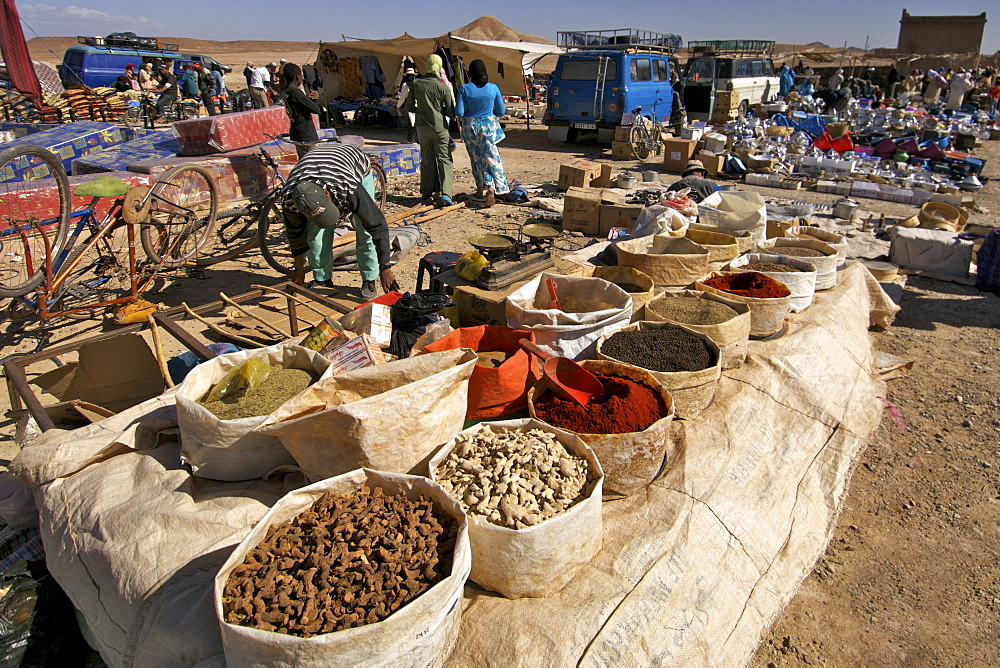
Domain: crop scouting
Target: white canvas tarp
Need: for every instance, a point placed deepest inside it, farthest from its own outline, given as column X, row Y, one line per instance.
column 505, row 61
column 691, row 571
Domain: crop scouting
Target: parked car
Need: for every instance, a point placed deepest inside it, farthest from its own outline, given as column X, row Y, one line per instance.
column 99, row 65
column 741, row 70
column 606, row 73
column 206, row 61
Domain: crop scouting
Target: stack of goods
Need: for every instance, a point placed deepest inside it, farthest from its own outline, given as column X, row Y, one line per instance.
column 226, row 132
column 96, row 104
column 396, row 159
column 15, row 107
column 74, row 140
column 150, row 146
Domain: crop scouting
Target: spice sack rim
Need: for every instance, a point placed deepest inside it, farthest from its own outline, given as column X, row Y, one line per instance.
column 700, row 284
column 298, row 501
column 741, row 308
column 709, row 373
column 570, row 440
column 537, row 291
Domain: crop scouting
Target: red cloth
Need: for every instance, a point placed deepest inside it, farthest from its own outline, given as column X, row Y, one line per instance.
column 15, row 52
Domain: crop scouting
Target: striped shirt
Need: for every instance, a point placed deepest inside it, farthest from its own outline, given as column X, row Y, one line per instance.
column 339, row 168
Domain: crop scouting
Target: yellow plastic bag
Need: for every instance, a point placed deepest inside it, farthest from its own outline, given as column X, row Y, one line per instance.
column 470, row 265
column 244, row 377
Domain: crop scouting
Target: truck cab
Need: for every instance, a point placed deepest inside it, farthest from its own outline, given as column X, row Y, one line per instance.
column 606, row 73
column 725, row 76
column 99, row 61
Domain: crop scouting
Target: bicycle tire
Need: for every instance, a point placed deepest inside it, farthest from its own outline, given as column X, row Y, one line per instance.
column 639, row 138
column 177, row 229
column 381, row 185
column 272, row 238
column 225, row 247
column 22, row 267
column 132, row 118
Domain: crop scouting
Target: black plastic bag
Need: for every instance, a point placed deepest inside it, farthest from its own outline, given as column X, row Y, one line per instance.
column 410, row 317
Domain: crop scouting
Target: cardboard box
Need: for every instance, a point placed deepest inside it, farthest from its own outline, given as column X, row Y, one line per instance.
column 475, row 305
column 726, row 100
column 372, row 319
column 618, row 215
column 692, row 133
column 622, row 150
column 582, row 210
column 713, row 163
column 110, row 376
column 714, row 142
column 677, row 152
column 622, row 132
column 604, row 180
column 357, row 353
column 578, row 174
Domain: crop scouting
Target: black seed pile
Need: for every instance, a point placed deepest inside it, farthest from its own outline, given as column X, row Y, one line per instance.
column 667, row 350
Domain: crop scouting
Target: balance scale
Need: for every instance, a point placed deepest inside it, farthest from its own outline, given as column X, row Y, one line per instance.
column 512, row 260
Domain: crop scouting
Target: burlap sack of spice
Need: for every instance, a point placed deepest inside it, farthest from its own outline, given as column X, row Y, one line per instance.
column 539, row 560
column 421, row 633
column 826, row 264
column 736, row 523
column 669, row 261
column 838, row 241
column 731, row 336
column 801, row 282
column 631, row 460
column 735, row 210
column 590, row 307
column 389, row 416
column 234, row 449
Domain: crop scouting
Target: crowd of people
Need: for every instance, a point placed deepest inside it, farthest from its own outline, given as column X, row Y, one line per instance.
column 948, row 88
column 158, row 80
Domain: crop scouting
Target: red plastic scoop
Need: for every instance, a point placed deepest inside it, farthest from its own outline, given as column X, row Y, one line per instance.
column 552, row 294
column 566, row 377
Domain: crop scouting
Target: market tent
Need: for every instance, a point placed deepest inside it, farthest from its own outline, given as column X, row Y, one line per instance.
column 505, row 61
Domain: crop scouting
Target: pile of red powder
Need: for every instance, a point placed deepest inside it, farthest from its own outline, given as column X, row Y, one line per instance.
column 749, row 284
column 626, row 406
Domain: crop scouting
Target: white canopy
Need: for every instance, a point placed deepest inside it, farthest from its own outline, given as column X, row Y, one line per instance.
column 505, row 61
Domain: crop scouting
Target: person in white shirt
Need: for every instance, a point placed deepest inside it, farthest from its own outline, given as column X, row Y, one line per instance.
column 258, row 84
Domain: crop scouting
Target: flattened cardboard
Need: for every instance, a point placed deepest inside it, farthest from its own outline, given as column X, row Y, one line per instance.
column 113, row 374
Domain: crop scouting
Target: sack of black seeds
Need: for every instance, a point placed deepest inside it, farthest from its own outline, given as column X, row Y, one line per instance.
column 217, row 441
column 388, row 416
column 418, row 631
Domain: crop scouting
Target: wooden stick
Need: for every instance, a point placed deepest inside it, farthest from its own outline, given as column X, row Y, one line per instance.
column 412, row 211
column 216, row 328
column 293, row 297
column 161, row 360
column 250, row 315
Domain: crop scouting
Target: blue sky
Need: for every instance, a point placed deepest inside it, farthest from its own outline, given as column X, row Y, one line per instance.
column 308, row 20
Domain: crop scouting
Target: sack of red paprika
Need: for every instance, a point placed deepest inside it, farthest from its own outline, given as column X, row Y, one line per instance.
column 770, row 300
column 494, row 391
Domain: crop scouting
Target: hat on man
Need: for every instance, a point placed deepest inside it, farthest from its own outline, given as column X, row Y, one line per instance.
column 694, row 166
column 249, row 63
column 409, row 70
column 272, row 64
column 283, row 60
column 130, row 66
column 312, row 202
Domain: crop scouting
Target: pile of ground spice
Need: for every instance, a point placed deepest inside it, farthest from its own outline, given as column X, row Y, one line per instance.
column 770, row 266
column 263, row 399
column 627, row 406
column 798, row 251
column 749, row 284
column 692, row 310
column 668, row 350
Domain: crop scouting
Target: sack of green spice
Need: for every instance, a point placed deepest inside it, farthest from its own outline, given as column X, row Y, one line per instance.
column 215, row 405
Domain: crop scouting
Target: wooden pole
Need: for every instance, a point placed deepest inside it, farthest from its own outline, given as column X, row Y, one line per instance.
column 161, row 360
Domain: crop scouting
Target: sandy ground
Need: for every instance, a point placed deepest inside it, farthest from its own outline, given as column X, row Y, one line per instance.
column 911, row 576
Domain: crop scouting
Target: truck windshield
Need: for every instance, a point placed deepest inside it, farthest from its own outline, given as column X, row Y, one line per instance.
column 580, row 69
column 701, row 70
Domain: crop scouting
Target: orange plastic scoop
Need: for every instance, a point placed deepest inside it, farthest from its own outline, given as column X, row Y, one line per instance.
column 566, row 377
column 554, row 303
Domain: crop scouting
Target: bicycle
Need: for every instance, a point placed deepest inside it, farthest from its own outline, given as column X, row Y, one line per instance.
column 646, row 137
column 260, row 223
column 41, row 252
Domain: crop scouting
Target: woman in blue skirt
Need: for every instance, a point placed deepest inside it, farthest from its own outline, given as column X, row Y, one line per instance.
column 480, row 105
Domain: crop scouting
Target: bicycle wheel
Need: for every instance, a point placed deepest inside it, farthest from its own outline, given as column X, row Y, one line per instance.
column 35, row 209
column 101, row 275
column 272, row 238
column 235, row 233
column 639, row 137
column 183, row 207
column 381, row 185
column 132, row 117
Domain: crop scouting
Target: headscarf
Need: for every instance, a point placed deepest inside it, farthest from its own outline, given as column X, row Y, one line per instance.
column 478, row 74
column 434, row 64
column 129, row 67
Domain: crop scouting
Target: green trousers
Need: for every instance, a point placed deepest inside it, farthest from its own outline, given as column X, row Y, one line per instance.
column 321, row 245
column 436, row 167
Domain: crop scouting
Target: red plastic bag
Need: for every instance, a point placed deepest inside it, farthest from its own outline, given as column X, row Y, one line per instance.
column 494, row 392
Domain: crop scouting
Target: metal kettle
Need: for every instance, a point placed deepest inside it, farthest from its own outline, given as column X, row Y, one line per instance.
column 845, row 208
